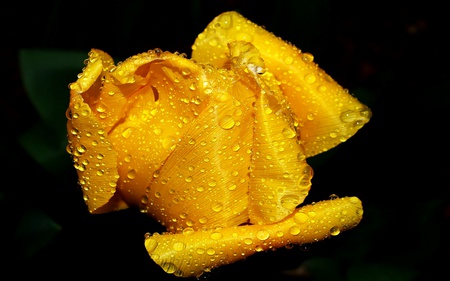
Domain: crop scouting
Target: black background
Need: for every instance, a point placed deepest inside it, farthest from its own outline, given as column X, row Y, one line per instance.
column 393, row 55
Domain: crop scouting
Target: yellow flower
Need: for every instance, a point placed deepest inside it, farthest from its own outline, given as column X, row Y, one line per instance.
column 213, row 147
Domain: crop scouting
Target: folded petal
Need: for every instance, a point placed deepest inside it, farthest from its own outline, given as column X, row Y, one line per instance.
column 146, row 103
column 92, row 153
column 192, row 253
column 280, row 178
column 327, row 114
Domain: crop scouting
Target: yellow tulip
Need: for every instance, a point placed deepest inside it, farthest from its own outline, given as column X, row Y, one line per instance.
column 213, row 147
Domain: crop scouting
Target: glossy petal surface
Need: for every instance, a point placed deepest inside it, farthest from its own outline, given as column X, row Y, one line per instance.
column 193, row 252
column 215, row 147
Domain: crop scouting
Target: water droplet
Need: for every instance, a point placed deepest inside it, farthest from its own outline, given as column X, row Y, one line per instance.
column 348, row 116
column 216, row 235
column 300, row 217
column 288, row 60
column 158, row 131
column 301, row 156
column 144, row 199
column 335, row 231
column 169, row 267
column 131, row 174
column 312, row 214
column 333, row 197
column 217, row 207
column 262, row 235
column 226, row 122
column 169, row 142
column 188, row 179
column 307, row 57
column 242, row 36
column 248, row 241
column 81, row 149
column 268, row 110
column 224, row 21
column 290, row 201
column 127, row 132
column 294, row 230
column 178, row 246
column 236, row 147
column 322, row 88
column 289, row 133
column 213, row 42
column 150, row 244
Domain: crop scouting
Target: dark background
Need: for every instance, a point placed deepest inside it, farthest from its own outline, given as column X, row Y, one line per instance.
column 392, row 55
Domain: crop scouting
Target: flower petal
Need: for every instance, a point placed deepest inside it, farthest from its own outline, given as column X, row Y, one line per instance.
column 280, row 178
column 327, row 114
column 92, row 153
column 156, row 95
column 192, row 253
column 204, row 182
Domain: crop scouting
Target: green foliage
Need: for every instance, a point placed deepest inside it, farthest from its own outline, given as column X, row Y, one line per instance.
column 46, row 75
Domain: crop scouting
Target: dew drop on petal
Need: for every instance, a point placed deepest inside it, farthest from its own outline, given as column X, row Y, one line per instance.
column 226, row 122
column 179, row 246
column 262, row 235
column 248, row 241
column 131, row 174
column 169, row 267
column 151, row 244
column 127, row 132
column 334, row 231
column 217, row 207
column 300, row 218
column 216, row 235
column 289, row 133
column 307, row 57
column 290, row 201
column 144, row 199
column 348, row 116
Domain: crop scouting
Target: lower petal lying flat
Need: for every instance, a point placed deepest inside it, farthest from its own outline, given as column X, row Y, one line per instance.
column 193, row 252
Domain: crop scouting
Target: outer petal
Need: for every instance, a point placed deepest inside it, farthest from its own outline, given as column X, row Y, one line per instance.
column 146, row 103
column 327, row 113
column 91, row 150
column 193, row 252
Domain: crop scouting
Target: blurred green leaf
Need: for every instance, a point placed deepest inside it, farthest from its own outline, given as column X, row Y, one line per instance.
column 46, row 75
column 35, row 230
column 46, row 147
